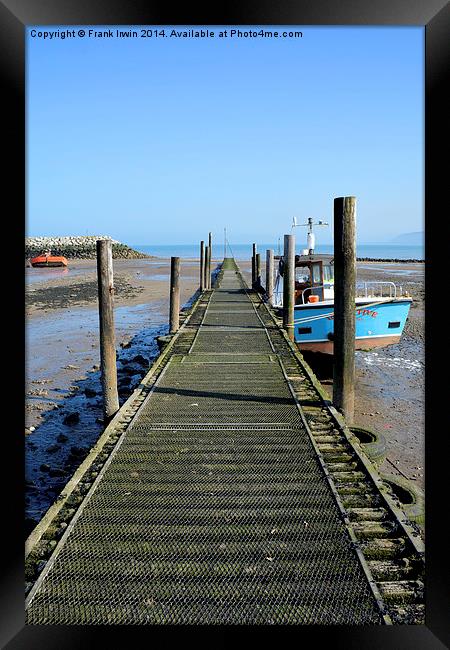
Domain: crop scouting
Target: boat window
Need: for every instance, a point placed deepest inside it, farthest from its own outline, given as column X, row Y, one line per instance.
column 316, row 273
column 302, row 274
column 328, row 273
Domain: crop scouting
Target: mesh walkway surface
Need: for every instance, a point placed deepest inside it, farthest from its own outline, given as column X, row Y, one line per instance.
column 213, row 507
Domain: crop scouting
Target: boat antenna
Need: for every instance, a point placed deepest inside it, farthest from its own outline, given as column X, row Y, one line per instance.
column 311, row 240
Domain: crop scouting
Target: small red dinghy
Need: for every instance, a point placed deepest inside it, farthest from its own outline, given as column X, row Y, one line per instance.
column 47, row 259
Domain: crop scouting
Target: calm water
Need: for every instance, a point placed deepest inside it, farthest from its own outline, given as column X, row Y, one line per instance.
column 244, row 251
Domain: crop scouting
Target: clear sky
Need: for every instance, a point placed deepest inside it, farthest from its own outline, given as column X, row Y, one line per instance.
column 159, row 140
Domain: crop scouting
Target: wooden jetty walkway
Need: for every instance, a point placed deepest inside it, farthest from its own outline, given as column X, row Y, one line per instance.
column 232, row 494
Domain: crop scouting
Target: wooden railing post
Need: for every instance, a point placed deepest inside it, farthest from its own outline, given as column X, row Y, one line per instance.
column 344, row 305
column 205, row 278
column 289, row 285
column 269, row 275
column 108, row 362
column 174, row 294
column 258, row 269
column 202, row 266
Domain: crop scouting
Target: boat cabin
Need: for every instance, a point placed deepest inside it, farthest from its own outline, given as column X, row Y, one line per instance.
column 314, row 278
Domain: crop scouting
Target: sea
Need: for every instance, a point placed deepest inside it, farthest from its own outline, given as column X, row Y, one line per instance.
column 244, row 251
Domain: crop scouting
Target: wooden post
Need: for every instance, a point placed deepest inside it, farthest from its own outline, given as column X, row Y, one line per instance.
column 202, row 266
column 174, row 294
column 269, row 275
column 254, row 265
column 289, row 284
column 207, row 263
column 344, row 305
column 258, row 269
column 107, row 336
column 205, row 278
column 209, row 259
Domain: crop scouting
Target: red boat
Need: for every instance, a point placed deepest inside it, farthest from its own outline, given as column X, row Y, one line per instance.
column 47, row 259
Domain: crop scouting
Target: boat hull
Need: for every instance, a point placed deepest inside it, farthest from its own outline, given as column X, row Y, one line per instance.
column 377, row 325
column 44, row 261
column 327, row 347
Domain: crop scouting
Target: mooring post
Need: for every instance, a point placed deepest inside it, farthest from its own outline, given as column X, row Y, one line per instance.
column 174, row 294
column 269, row 275
column 344, row 305
column 209, row 259
column 205, row 278
column 202, row 266
column 258, row 269
column 254, row 265
column 108, row 362
column 289, row 284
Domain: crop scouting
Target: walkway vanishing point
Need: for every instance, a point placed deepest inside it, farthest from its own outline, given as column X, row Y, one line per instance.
column 226, row 490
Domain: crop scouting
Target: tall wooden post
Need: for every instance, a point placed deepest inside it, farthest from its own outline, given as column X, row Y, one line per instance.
column 205, row 278
column 269, row 275
column 254, row 265
column 289, row 285
column 224, row 243
column 209, row 266
column 258, row 269
column 174, row 318
column 202, row 266
column 344, row 305
column 209, row 259
column 107, row 336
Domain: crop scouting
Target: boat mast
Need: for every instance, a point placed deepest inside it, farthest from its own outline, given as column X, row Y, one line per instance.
column 311, row 239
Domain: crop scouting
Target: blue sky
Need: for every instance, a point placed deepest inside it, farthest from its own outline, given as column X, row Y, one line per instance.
column 159, row 140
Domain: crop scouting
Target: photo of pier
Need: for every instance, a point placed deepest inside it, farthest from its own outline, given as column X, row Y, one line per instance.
column 225, row 326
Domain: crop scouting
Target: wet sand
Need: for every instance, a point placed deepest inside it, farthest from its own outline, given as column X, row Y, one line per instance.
column 390, row 381
column 62, row 317
column 63, row 401
column 390, row 399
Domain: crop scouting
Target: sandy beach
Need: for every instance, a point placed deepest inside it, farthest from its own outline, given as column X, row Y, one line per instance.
column 63, row 398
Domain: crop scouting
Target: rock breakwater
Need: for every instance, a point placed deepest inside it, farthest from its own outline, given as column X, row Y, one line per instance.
column 77, row 247
column 397, row 260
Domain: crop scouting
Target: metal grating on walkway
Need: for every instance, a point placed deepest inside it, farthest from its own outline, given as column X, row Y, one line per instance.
column 213, row 507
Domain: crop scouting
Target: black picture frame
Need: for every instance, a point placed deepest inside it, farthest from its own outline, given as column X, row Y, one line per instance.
column 15, row 15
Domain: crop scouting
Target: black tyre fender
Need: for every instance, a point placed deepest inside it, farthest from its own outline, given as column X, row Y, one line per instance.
column 373, row 443
column 414, row 507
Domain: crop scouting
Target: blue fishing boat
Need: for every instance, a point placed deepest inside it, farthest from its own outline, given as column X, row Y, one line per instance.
column 381, row 308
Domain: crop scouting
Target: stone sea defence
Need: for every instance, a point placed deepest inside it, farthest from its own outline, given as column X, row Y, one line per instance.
column 77, row 247
column 390, row 259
